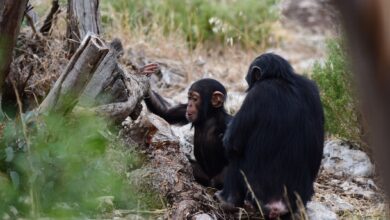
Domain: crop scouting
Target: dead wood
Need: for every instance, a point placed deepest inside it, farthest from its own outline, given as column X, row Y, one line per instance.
column 105, row 75
column 64, row 95
column 136, row 87
column 83, row 18
column 48, row 23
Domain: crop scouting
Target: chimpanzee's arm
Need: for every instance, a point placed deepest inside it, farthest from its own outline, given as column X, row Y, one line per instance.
column 160, row 107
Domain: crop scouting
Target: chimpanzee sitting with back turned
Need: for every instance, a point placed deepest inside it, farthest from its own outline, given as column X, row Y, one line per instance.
column 205, row 110
column 275, row 140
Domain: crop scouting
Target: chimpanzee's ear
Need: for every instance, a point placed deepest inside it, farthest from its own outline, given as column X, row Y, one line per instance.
column 256, row 73
column 217, row 99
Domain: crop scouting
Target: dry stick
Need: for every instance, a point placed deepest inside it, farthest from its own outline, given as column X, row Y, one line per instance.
column 31, row 23
column 253, row 193
column 301, row 206
column 48, row 23
column 33, row 192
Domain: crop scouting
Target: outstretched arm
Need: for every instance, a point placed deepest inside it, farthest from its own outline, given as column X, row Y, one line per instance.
column 158, row 105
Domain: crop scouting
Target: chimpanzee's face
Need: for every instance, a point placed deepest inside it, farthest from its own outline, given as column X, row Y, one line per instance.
column 193, row 106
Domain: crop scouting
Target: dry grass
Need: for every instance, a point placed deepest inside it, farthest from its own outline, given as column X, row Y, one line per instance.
column 225, row 63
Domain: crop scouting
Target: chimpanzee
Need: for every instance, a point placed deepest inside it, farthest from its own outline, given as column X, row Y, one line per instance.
column 205, row 110
column 275, row 140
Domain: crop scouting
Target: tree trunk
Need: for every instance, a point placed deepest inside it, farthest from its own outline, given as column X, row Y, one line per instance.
column 367, row 26
column 83, row 18
column 64, row 95
column 11, row 15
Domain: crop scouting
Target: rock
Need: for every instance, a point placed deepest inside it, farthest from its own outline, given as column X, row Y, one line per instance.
column 315, row 15
column 203, row 217
column 317, row 211
column 340, row 160
column 186, row 138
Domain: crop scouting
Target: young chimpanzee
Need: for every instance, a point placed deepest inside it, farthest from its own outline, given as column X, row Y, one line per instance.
column 275, row 140
column 205, row 110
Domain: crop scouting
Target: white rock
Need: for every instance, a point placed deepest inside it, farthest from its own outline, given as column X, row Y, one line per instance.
column 203, row 217
column 317, row 211
column 340, row 160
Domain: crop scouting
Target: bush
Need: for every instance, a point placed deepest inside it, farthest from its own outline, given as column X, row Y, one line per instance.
column 246, row 22
column 334, row 78
column 60, row 166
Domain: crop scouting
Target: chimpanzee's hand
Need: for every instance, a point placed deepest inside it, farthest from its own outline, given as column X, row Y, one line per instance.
column 149, row 69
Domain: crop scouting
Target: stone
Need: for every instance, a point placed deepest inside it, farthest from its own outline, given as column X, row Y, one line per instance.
column 340, row 160
column 317, row 211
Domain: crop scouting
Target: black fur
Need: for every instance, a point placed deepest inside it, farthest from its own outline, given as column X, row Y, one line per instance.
column 209, row 129
column 277, row 136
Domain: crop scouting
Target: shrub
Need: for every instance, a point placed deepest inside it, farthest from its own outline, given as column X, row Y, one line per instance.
column 59, row 166
column 334, row 78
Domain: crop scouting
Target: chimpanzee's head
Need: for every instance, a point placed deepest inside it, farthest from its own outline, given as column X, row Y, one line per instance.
column 268, row 66
column 205, row 97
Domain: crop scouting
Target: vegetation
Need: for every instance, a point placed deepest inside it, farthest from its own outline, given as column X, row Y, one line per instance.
column 55, row 166
column 246, row 22
column 343, row 119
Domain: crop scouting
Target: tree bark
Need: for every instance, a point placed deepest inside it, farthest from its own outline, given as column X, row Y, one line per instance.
column 83, row 18
column 64, row 95
column 11, row 15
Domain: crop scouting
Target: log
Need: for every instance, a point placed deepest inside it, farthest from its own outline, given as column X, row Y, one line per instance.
column 11, row 15
column 67, row 89
column 136, row 88
column 113, row 92
column 103, row 77
column 83, row 18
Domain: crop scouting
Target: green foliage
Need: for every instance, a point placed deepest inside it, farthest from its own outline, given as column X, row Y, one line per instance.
column 60, row 166
column 335, row 80
column 246, row 22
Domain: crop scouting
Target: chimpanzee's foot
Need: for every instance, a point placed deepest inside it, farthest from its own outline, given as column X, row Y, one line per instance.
column 276, row 209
